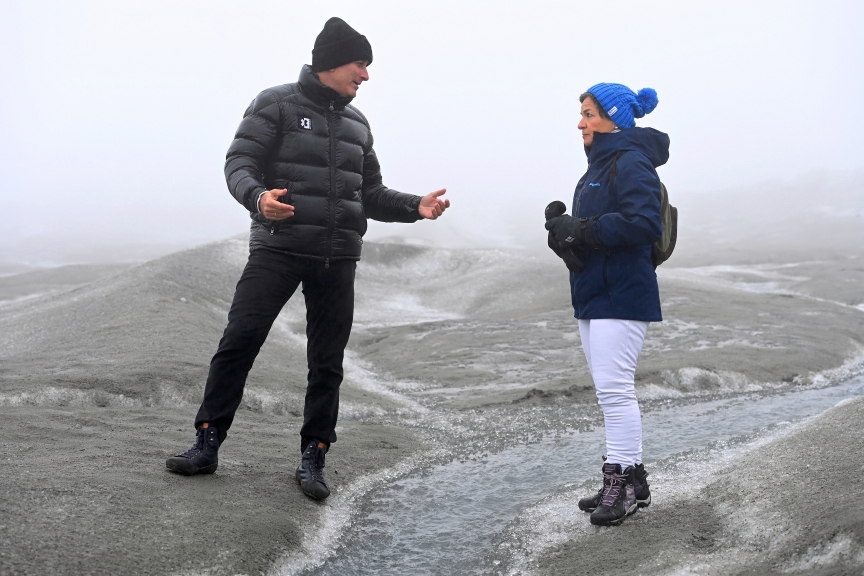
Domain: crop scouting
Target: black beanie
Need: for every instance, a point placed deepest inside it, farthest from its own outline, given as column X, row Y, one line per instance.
column 339, row 44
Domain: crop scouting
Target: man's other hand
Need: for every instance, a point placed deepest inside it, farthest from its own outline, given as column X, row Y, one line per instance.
column 270, row 206
column 431, row 206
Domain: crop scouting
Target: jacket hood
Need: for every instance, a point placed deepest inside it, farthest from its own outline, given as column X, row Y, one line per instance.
column 320, row 92
column 650, row 142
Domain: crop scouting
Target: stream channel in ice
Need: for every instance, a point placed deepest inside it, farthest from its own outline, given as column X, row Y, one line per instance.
column 444, row 520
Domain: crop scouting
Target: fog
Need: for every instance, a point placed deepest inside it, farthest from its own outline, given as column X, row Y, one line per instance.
column 116, row 116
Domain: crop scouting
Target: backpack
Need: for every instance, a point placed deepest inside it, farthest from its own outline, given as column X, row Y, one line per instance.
column 662, row 249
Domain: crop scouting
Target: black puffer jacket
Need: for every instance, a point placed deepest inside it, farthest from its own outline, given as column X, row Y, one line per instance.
column 308, row 139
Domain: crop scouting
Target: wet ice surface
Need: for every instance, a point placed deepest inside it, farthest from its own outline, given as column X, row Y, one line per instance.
column 451, row 518
column 480, row 367
column 811, row 279
column 466, row 344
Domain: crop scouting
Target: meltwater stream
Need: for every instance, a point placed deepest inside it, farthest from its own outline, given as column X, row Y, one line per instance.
column 444, row 520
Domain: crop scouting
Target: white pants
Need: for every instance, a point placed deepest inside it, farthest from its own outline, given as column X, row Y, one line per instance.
column 612, row 348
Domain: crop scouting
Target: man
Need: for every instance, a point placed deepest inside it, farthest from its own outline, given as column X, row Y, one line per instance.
column 303, row 164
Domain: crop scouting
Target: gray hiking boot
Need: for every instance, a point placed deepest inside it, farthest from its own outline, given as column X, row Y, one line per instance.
column 618, row 500
column 201, row 457
column 310, row 473
column 640, row 487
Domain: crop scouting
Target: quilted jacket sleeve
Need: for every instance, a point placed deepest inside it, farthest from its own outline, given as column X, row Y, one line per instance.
column 382, row 203
column 637, row 219
column 248, row 153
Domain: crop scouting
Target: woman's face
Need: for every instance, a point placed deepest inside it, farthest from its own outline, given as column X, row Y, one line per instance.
column 592, row 121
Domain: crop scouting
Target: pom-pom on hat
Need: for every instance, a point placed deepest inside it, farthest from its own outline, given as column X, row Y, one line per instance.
column 339, row 44
column 622, row 105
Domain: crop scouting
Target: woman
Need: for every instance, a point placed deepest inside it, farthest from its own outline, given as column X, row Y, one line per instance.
column 615, row 220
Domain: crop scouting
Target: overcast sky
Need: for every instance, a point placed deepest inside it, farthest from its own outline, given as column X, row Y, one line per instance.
column 115, row 116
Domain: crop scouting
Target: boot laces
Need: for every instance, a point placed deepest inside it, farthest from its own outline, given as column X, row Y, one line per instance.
column 315, row 464
column 199, row 445
column 612, row 486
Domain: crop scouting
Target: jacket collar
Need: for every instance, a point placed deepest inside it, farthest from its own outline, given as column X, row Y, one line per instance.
column 320, row 92
column 650, row 142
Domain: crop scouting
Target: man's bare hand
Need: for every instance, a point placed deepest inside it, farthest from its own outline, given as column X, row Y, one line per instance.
column 271, row 208
column 431, row 206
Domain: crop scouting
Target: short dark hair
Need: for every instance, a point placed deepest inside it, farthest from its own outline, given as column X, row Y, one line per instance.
column 603, row 113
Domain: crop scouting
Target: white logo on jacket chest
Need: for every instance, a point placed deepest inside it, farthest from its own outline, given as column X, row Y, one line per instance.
column 306, row 123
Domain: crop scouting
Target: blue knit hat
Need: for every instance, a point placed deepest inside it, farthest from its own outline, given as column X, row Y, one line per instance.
column 622, row 105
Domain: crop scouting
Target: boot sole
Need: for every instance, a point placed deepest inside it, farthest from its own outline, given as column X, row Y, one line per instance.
column 617, row 521
column 639, row 503
column 189, row 470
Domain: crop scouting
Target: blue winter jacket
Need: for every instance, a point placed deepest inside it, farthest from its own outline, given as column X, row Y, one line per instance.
column 618, row 280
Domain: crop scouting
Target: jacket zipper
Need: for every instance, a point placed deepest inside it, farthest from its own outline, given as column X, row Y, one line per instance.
column 579, row 196
column 332, row 202
column 578, row 202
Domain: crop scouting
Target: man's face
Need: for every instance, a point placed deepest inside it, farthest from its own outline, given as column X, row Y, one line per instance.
column 346, row 79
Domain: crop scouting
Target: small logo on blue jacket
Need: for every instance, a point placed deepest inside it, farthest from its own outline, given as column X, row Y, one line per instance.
column 593, row 184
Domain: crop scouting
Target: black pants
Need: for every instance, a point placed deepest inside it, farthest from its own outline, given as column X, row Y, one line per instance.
column 267, row 282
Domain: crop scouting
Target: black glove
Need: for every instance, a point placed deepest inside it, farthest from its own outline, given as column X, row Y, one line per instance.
column 572, row 232
column 571, row 260
column 556, row 208
column 574, row 264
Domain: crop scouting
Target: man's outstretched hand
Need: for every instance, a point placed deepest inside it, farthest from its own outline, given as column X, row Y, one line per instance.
column 270, row 206
column 431, row 206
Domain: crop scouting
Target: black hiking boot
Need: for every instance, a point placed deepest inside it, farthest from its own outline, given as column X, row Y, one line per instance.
column 201, row 457
column 618, row 499
column 590, row 503
column 310, row 473
column 640, row 488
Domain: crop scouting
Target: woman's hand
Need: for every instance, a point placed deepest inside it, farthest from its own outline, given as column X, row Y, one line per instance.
column 572, row 232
